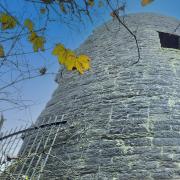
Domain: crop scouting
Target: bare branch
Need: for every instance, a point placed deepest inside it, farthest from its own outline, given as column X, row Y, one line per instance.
column 115, row 13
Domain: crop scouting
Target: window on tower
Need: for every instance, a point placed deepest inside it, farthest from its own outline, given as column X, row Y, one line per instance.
column 169, row 40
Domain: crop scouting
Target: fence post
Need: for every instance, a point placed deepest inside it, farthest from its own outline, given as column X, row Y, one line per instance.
column 2, row 119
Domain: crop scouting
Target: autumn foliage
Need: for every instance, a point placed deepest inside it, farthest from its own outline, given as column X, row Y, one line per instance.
column 65, row 56
column 70, row 60
column 146, row 2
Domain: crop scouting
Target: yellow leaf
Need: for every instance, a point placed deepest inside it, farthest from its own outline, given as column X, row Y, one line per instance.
column 146, row 2
column 29, row 24
column 79, row 67
column 91, row 3
column 70, row 62
column 25, row 177
column 69, row 59
column 84, row 61
column 38, row 43
column 32, row 36
column 62, row 57
column 61, row 52
column 1, row 51
column 58, row 50
column 7, row 21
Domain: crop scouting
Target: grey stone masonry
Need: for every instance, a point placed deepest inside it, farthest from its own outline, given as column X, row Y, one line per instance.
column 123, row 120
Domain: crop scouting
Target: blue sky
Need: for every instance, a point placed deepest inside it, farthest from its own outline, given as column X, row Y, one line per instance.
column 38, row 91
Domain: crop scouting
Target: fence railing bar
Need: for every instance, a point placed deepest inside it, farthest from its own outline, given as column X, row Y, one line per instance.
column 13, row 140
column 4, row 142
column 29, row 152
column 21, row 154
column 5, row 145
column 4, row 162
column 36, row 149
column 40, row 140
column 33, row 128
column 17, row 143
column 4, row 134
column 11, row 143
column 19, row 139
column 52, row 144
column 46, row 142
column 10, row 177
column 8, row 157
column 23, row 150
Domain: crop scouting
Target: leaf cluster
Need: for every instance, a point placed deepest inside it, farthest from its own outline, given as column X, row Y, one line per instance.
column 36, row 40
column 7, row 21
column 70, row 60
column 66, row 57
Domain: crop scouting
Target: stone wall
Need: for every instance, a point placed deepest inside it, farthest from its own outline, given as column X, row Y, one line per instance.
column 123, row 120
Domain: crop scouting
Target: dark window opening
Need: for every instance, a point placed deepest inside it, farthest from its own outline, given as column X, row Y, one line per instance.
column 169, row 40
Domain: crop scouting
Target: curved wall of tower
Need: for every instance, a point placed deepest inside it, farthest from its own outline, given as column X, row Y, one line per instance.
column 123, row 119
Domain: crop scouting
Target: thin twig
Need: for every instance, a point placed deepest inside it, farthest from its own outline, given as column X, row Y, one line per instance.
column 122, row 23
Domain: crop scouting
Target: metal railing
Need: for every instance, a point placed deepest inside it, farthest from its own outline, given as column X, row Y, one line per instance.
column 24, row 151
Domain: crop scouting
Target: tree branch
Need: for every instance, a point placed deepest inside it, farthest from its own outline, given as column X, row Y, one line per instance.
column 115, row 13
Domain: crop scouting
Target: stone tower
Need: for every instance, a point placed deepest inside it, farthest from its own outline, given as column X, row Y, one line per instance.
column 123, row 120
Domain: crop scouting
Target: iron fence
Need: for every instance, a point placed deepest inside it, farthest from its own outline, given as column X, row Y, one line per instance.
column 24, row 151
